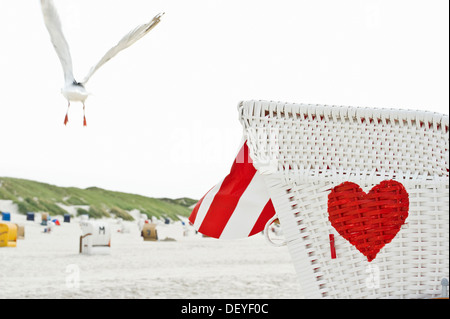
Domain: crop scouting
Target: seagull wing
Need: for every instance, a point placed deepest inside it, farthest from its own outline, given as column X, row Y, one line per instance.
column 53, row 25
column 124, row 43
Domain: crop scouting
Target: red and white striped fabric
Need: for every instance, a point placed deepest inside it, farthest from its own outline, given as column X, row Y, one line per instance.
column 237, row 207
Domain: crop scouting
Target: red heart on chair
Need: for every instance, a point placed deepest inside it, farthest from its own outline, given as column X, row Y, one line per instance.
column 368, row 221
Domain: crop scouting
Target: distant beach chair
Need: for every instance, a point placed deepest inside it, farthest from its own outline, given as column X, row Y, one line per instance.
column 149, row 232
column 8, row 234
column 95, row 238
column 44, row 219
column 123, row 228
column 362, row 195
column 30, row 216
column 66, row 218
column 20, row 231
column 6, row 216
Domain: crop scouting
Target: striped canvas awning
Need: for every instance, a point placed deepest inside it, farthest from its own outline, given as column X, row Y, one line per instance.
column 237, row 207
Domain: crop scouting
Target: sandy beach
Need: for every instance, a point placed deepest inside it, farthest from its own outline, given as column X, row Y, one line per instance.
column 49, row 265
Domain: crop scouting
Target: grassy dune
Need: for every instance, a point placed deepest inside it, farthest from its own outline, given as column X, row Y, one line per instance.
column 31, row 196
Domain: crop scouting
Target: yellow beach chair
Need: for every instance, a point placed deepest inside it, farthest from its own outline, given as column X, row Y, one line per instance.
column 8, row 235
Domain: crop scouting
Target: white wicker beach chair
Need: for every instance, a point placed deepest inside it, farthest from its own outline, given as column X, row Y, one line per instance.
column 362, row 195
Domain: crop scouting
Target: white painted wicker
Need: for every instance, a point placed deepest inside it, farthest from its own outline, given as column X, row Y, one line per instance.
column 304, row 151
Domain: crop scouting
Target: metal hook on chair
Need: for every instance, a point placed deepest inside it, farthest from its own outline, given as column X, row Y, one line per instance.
column 266, row 233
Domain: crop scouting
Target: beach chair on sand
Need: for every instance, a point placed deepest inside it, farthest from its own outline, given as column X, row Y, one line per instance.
column 95, row 237
column 362, row 195
column 149, row 232
column 8, row 234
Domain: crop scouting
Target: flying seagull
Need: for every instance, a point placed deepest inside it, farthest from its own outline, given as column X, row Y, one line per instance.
column 73, row 90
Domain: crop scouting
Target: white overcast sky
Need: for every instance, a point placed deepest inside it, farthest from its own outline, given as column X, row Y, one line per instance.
column 162, row 120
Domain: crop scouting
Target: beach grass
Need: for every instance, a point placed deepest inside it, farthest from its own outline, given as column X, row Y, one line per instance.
column 33, row 196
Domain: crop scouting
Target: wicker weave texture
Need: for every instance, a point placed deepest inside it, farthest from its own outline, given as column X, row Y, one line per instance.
column 395, row 165
column 316, row 138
